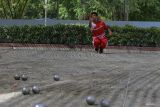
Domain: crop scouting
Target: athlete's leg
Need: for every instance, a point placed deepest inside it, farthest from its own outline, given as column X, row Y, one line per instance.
column 104, row 42
column 96, row 43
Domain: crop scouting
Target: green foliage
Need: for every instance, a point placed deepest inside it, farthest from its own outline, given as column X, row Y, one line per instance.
column 146, row 10
column 79, row 34
column 34, row 9
column 133, row 36
column 141, row 10
column 12, row 9
column 58, row 34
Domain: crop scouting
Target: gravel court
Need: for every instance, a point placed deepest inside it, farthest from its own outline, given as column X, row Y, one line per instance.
column 83, row 72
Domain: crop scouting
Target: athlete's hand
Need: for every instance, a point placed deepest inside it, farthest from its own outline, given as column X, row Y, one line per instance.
column 110, row 33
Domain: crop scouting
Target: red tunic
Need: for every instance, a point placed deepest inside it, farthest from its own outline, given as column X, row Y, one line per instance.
column 98, row 29
column 99, row 38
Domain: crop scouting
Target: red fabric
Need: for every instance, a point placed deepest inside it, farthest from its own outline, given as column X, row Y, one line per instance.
column 99, row 28
column 100, row 43
column 99, row 38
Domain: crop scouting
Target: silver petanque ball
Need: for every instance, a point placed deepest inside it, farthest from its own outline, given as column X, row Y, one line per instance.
column 17, row 77
column 90, row 100
column 24, row 77
column 35, row 89
column 56, row 77
column 25, row 91
column 104, row 103
column 39, row 105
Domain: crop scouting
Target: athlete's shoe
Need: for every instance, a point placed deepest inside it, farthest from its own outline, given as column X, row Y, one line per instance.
column 97, row 50
column 101, row 50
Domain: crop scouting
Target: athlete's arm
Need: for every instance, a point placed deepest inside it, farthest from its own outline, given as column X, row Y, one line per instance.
column 107, row 27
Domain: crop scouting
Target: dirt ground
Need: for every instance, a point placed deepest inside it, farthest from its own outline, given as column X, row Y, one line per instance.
column 82, row 72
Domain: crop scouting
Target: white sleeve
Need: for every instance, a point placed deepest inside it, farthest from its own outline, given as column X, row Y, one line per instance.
column 93, row 25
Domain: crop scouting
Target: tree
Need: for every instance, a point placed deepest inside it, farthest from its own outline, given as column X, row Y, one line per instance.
column 34, row 9
column 13, row 8
column 148, row 10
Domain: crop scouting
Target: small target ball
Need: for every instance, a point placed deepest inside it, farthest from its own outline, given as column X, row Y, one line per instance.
column 104, row 103
column 90, row 100
column 25, row 91
column 35, row 90
column 56, row 78
column 17, row 77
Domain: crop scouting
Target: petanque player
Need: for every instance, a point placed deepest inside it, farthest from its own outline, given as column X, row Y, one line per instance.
column 98, row 28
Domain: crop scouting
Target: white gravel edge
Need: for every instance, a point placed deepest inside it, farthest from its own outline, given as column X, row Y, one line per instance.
column 8, row 96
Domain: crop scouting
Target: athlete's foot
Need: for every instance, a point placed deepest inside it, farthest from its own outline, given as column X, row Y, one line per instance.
column 96, row 49
column 101, row 50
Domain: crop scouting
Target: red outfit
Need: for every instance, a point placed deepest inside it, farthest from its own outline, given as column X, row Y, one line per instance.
column 99, row 38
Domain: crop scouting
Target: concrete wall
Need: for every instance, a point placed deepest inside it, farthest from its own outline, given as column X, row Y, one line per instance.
column 20, row 22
